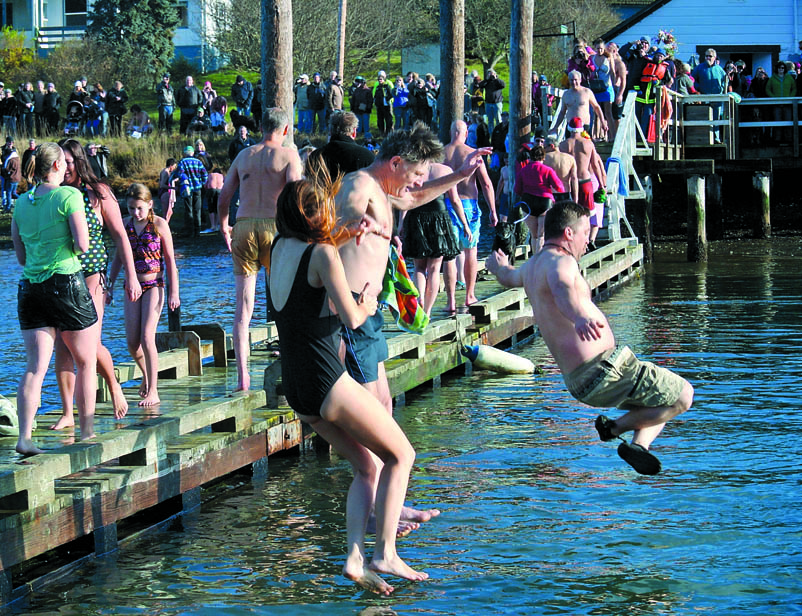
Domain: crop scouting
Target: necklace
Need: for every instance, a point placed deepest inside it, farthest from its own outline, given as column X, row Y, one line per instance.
column 558, row 247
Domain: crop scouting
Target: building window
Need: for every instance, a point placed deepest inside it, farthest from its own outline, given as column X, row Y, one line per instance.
column 183, row 14
column 74, row 12
column 8, row 13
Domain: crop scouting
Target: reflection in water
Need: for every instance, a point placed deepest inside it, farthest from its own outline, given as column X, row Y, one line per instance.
column 538, row 516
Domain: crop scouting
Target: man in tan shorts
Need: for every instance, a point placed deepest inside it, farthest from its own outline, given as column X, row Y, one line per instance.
column 260, row 172
column 595, row 370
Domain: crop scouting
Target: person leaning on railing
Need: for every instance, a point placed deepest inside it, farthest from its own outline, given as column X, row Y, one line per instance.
column 781, row 85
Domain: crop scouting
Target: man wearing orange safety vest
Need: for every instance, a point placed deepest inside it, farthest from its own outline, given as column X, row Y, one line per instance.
column 656, row 73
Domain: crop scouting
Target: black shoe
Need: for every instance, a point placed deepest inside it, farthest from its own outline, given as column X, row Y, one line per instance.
column 639, row 458
column 604, row 426
column 591, row 247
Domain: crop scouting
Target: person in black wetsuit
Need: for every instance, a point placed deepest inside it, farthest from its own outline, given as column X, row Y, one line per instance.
column 306, row 278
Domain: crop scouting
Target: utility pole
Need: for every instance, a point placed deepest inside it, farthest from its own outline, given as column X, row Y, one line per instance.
column 277, row 71
column 451, row 101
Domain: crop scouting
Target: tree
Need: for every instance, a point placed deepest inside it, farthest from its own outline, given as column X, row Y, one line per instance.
column 137, row 33
column 13, row 53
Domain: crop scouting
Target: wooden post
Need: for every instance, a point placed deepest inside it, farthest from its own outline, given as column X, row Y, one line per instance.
column 648, row 243
column 341, row 38
column 452, row 65
column 520, row 76
column 697, row 235
column 761, row 182
column 277, row 71
column 714, row 207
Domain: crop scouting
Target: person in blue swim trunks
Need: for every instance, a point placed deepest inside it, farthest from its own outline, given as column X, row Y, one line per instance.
column 455, row 154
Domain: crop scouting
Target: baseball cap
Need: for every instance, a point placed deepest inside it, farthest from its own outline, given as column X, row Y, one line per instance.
column 79, row 84
column 305, row 76
column 645, row 39
column 189, row 150
column 661, row 51
column 382, row 74
column 166, row 76
column 359, row 78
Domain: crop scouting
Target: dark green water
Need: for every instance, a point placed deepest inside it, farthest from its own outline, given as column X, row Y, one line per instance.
column 539, row 517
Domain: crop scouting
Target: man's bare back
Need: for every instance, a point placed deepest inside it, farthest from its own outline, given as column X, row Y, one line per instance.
column 564, row 166
column 582, row 150
column 454, row 154
column 263, row 171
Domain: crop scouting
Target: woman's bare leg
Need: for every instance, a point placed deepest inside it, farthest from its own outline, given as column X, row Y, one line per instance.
column 38, row 350
column 349, row 407
column 152, row 304
column 432, row 287
column 65, row 378
column 83, row 347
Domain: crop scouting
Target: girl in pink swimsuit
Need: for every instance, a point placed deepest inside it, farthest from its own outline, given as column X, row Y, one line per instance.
column 152, row 246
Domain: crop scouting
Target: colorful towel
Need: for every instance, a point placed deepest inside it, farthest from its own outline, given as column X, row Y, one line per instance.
column 400, row 294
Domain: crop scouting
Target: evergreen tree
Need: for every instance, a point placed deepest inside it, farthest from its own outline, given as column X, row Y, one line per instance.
column 138, row 33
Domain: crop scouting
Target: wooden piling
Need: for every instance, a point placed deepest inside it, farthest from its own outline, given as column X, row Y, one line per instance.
column 648, row 242
column 697, row 233
column 761, row 182
column 714, row 207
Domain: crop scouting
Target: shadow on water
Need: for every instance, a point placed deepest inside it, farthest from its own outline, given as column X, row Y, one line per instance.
column 538, row 516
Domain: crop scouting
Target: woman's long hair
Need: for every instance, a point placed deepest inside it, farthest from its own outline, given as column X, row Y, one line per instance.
column 305, row 208
column 82, row 167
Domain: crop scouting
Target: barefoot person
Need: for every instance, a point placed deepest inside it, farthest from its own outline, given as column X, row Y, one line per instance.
column 49, row 231
column 596, row 370
column 102, row 210
column 260, row 172
column 577, row 102
column 306, row 279
column 152, row 247
column 394, row 179
column 455, row 154
column 588, row 164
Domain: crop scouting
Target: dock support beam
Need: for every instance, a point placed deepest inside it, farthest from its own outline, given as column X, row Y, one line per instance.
column 714, row 207
column 105, row 539
column 761, row 183
column 697, row 233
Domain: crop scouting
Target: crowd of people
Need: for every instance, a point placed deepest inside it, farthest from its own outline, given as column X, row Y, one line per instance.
column 325, row 223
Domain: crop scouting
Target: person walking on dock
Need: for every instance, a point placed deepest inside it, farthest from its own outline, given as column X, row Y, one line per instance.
column 260, row 172
column 588, row 163
column 595, row 369
column 306, row 280
column 456, row 153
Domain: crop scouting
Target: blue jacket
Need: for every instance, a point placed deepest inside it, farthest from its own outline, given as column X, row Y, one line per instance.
column 710, row 79
column 401, row 96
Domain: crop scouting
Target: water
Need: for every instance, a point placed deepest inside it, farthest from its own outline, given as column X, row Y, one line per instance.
column 539, row 517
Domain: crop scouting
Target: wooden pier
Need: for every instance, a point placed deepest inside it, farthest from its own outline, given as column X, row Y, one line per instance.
column 78, row 498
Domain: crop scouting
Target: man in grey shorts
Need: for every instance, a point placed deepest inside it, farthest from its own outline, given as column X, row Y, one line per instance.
column 577, row 333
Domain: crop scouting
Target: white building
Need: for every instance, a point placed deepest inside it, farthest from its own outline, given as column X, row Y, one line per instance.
column 759, row 32
column 47, row 23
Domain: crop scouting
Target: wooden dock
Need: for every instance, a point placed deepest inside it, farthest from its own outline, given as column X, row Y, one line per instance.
column 78, row 498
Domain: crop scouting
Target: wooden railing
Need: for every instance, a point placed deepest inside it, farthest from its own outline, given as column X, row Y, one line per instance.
column 767, row 107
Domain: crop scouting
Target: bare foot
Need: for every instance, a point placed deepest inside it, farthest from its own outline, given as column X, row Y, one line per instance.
column 65, row 421
column 397, row 567
column 404, row 528
column 143, row 388
column 244, row 381
column 152, row 399
column 470, row 300
column 27, row 448
column 369, row 580
column 119, row 402
column 86, row 438
column 409, row 514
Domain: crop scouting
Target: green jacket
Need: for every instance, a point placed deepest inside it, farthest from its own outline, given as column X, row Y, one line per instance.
column 777, row 87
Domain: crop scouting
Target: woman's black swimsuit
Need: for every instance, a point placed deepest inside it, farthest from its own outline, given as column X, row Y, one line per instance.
column 310, row 364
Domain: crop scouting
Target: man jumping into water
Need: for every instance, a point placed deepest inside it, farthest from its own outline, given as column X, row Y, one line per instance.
column 595, row 370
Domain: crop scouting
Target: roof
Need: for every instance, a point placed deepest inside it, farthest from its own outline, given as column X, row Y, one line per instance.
column 635, row 19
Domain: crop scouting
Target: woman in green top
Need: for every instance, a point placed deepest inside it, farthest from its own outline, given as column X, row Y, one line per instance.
column 49, row 230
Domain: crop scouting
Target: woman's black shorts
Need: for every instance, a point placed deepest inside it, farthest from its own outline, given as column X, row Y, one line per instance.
column 537, row 205
column 62, row 301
